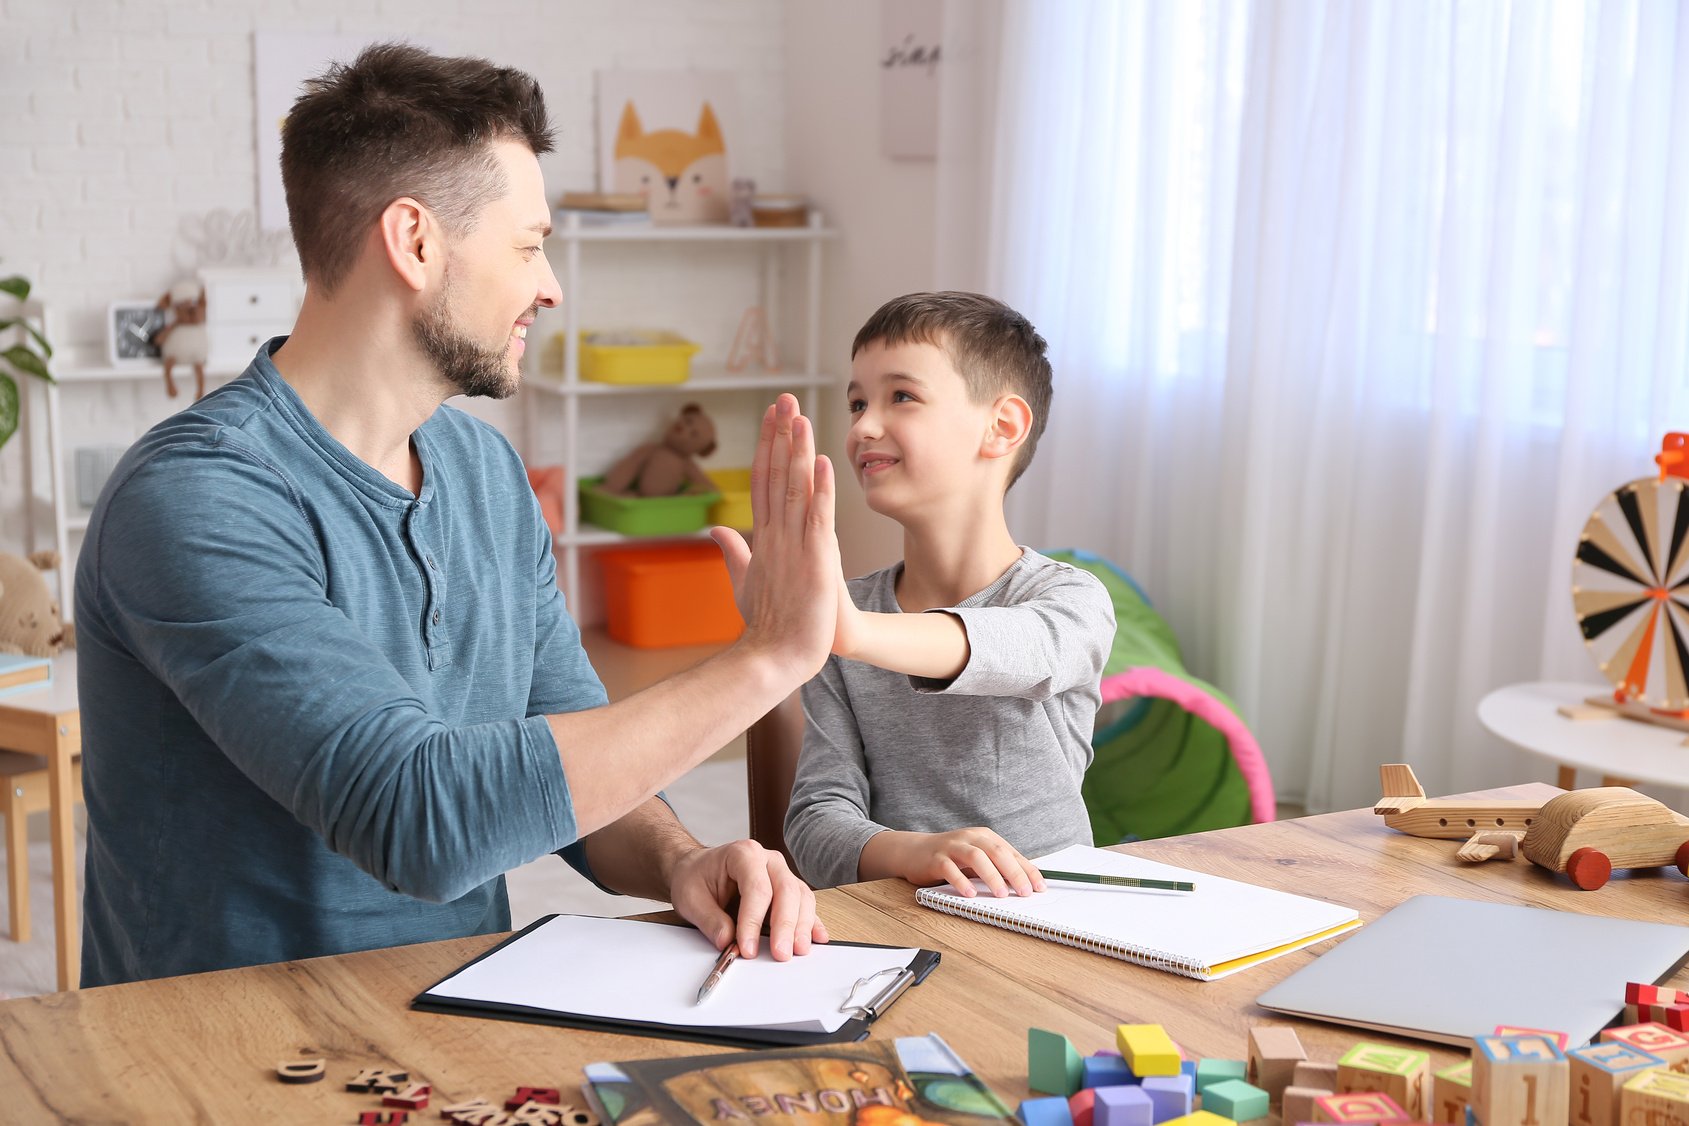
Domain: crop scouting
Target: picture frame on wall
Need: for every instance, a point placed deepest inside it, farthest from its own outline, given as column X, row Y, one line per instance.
column 668, row 135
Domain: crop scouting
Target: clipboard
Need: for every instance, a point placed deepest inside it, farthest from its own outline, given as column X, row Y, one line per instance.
column 872, row 998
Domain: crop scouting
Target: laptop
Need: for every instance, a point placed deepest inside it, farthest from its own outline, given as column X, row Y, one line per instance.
column 1442, row 969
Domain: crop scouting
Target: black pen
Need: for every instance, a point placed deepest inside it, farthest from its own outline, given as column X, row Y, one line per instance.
column 726, row 959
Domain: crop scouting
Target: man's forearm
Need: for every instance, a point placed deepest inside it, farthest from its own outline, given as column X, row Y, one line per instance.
column 617, row 757
column 636, row 853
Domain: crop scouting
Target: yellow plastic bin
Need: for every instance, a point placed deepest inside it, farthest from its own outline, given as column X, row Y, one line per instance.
column 636, row 356
column 733, row 510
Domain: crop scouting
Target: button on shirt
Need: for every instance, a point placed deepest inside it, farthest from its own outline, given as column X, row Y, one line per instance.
column 313, row 704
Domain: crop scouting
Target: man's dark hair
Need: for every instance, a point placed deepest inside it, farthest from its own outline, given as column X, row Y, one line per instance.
column 398, row 121
column 994, row 349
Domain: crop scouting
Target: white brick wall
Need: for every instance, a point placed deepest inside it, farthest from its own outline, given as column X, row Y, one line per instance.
column 118, row 118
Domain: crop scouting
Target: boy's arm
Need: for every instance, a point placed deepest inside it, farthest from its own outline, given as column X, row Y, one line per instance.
column 827, row 820
column 1055, row 642
column 933, row 645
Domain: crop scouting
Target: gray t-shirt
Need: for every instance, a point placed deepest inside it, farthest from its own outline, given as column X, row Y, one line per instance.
column 1004, row 745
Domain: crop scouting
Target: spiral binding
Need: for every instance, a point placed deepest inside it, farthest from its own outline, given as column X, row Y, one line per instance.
column 1096, row 944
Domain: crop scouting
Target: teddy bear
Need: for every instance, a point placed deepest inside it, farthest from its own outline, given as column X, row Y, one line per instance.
column 667, row 468
column 29, row 618
column 185, row 340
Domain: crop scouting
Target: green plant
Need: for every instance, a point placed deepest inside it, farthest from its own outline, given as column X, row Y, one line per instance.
column 23, row 357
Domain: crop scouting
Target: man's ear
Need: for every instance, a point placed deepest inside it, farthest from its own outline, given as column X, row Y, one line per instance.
column 412, row 241
column 1011, row 423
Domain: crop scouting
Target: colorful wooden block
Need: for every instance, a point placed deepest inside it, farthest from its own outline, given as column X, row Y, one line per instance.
column 1397, row 1072
column 1105, row 1071
column 1308, row 1073
column 1560, row 1038
column 1148, row 1049
column 1674, row 1017
column 523, row 1095
column 1052, row 1111
column 1171, row 1095
column 1274, row 1052
column 1655, row 1039
column 384, row 1117
column 1519, row 1081
column 1082, row 1104
column 1597, row 1073
column 301, row 1071
column 1655, row 1098
column 1218, row 1071
column 377, row 1080
column 1451, row 1094
column 1298, row 1102
column 1236, row 1100
column 1200, row 1118
column 414, row 1097
column 1052, row 1066
column 1637, row 993
column 1123, row 1106
column 1358, row 1106
column 476, row 1112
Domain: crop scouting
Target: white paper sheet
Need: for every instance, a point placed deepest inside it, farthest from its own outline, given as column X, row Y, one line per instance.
column 620, row 969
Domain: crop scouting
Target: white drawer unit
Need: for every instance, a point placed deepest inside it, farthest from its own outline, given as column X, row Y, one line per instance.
column 245, row 307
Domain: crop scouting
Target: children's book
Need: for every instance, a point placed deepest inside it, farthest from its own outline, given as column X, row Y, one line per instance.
column 910, row 1079
column 22, row 674
column 1221, row 927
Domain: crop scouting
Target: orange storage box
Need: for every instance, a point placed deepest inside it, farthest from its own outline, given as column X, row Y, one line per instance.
column 676, row 594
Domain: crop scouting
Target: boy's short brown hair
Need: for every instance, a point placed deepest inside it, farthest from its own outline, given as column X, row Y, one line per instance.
column 994, row 349
column 398, row 121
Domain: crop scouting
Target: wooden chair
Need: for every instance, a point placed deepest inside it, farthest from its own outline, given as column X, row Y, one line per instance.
column 771, row 762
column 23, row 791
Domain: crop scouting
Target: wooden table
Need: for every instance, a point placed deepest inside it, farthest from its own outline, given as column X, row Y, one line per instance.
column 48, row 721
column 206, row 1047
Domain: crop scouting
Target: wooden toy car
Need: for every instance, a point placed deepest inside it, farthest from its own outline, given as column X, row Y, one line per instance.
column 1583, row 833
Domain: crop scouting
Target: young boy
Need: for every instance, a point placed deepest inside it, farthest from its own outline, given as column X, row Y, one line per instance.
column 947, row 743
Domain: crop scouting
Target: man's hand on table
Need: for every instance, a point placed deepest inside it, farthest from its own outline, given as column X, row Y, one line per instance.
column 706, row 882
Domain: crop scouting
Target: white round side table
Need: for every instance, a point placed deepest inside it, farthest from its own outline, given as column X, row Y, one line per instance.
column 1623, row 751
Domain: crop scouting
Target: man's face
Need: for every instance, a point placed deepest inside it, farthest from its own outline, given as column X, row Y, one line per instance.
column 495, row 279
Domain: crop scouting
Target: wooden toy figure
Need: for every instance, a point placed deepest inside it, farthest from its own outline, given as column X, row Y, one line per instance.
column 185, row 339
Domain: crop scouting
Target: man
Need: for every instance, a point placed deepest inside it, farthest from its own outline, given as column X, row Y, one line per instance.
column 330, row 692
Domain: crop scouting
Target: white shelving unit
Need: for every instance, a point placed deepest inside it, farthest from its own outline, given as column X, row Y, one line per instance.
column 707, row 378
column 74, row 372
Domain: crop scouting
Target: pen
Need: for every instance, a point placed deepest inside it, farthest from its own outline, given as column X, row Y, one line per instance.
column 726, row 959
column 1119, row 881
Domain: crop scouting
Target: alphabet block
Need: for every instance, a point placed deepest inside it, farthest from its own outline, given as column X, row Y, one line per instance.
column 1311, row 1074
column 301, row 1071
column 1052, row 1066
column 1212, row 1071
column 1148, row 1049
column 533, row 1095
column 1656, row 1040
column 1274, row 1052
column 1299, row 1102
column 1236, row 1100
column 1559, row 1038
column 384, row 1117
column 377, row 1080
column 1597, row 1073
column 1045, row 1112
column 1397, row 1072
column 1451, row 1093
column 414, row 1097
column 1170, row 1095
column 1359, row 1106
column 1655, row 1098
column 1519, row 1081
column 538, row 1114
column 1638, row 993
column 1674, row 1017
column 1123, row 1106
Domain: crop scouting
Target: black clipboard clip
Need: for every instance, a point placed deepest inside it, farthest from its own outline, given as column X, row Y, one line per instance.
column 902, row 978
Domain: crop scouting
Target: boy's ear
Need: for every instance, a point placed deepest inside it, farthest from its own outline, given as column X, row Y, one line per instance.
column 1011, row 422
column 412, row 241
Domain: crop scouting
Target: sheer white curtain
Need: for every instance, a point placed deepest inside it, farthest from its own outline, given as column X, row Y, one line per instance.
column 1356, row 310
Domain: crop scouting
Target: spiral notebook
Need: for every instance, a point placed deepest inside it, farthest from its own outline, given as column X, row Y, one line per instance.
column 1220, row 928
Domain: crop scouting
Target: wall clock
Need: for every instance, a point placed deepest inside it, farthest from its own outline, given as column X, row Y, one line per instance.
column 130, row 327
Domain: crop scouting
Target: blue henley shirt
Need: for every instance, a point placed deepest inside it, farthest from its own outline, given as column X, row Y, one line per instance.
column 312, row 703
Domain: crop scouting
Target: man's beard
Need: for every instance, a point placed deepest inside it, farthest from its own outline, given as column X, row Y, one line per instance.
column 466, row 365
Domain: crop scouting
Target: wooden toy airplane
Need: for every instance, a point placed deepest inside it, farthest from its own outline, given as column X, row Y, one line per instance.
column 1583, row 833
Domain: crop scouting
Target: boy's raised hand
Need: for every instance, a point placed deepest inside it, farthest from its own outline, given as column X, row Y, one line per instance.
column 786, row 587
column 925, row 859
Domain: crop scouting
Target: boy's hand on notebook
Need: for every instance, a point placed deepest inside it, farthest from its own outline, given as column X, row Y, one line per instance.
column 784, row 587
column 925, row 859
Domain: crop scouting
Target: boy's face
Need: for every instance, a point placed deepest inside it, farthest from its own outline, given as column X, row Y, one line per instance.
column 496, row 278
column 915, row 436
